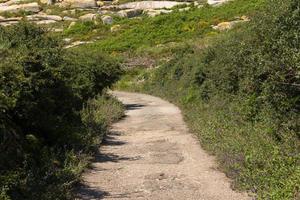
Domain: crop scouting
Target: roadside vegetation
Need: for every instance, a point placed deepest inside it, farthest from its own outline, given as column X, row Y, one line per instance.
column 239, row 92
column 53, row 112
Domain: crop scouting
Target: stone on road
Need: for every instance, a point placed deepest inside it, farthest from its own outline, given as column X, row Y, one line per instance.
column 150, row 154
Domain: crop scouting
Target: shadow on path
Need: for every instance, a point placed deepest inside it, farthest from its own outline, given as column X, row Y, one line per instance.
column 87, row 193
column 111, row 140
column 134, row 106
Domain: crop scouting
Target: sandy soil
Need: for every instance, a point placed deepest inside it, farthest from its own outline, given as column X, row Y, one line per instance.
column 150, row 154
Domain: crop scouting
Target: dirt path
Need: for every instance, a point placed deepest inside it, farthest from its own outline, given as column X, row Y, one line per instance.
column 151, row 155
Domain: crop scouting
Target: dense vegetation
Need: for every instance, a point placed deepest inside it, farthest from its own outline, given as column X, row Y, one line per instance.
column 241, row 96
column 51, row 116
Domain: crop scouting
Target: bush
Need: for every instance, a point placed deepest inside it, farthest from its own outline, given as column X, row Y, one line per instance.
column 42, row 91
column 99, row 113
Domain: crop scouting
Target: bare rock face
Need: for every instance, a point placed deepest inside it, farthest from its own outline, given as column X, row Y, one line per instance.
column 129, row 13
column 144, row 5
column 216, row 2
column 79, row 3
column 29, row 7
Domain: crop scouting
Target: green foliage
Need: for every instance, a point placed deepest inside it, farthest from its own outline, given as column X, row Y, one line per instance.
column 42, row 91
column 99, row 113
column 175, row 27
column 241, row 96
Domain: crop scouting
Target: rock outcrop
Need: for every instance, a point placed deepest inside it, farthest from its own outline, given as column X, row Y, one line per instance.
column 39, row 17
column 229, row 25
column 71, row 19
column 153, row 13
column 29, row 7
column 88, row 17
column 144, row 5
column 216, row 2
column 79, row 3
column 129, row 13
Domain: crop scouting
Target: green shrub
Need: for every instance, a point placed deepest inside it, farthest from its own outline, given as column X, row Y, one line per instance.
column 43, row 89
column 99, row 113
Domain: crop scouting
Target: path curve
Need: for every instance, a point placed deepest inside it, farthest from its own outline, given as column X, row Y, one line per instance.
column 151, row 155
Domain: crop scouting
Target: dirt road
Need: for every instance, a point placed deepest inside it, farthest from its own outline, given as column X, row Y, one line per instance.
column 151, row 155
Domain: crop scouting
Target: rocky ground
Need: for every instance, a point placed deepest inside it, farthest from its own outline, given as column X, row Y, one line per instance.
column 42, row 12
column 61, row 15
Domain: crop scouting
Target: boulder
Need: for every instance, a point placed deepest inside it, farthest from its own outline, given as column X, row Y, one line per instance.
column 104, row 3
column 44, row 1
column 12, row 2
column 223, row 26
column 67, row 40
column 11, row 19
column 88, row 17
column 29, row 7
column 77, row 43
column 66, row 18
column 100, row 3
column 48, row 21
column 57, row 30
column 216, row 2
column 105, row 12
column 69, row 12
column 9, row 23
column 39, row 17
column 153, row 13
column 143, row 5
column 129, row 13
column 106, row 19
column 226, row 25
column 79, row 3
column 184, row 9
column 245, row 18
column 115, row 2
